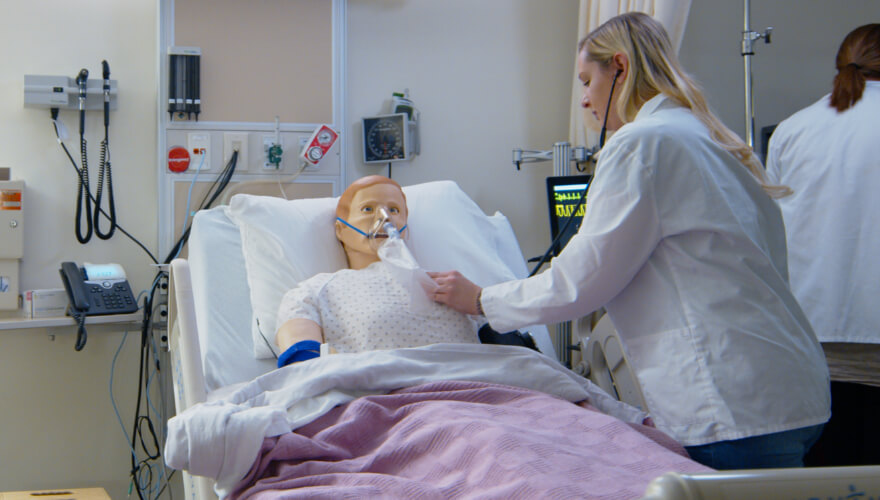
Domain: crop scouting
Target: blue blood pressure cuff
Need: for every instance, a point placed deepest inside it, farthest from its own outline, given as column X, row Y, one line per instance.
column 301, row 351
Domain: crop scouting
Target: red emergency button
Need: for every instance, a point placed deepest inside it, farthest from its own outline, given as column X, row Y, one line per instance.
column 178, row 159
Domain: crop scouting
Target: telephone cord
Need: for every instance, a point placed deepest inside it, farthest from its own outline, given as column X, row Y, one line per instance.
column 81, row 334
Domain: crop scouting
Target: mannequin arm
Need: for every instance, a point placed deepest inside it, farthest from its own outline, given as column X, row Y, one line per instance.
column 296, row 330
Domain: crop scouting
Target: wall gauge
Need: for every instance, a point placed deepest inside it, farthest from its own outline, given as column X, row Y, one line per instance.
column 386, row 138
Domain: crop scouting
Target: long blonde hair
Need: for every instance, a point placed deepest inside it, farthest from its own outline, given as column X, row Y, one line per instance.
column 654, row 69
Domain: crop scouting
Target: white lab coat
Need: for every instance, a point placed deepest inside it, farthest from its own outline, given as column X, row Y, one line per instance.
column 830, row 160
column 687, row 254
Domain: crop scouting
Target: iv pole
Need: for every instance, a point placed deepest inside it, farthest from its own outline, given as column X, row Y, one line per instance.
column 748, row 37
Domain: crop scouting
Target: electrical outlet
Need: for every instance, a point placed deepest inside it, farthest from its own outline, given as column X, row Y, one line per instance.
column 199, row 145
column 163, row 285
column 161, row 318
column 236, row 141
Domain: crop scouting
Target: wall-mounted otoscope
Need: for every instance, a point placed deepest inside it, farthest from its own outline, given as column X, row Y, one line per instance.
column 562, row 155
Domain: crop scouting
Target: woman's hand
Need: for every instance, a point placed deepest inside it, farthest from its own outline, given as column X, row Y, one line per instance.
column 456, row 291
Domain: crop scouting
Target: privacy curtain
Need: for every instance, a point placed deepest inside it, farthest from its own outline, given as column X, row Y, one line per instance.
column 583, row 128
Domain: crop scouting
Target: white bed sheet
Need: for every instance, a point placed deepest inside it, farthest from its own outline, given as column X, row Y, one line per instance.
column 221, row 439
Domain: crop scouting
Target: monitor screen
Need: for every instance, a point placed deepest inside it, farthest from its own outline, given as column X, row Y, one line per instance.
column 564, row 194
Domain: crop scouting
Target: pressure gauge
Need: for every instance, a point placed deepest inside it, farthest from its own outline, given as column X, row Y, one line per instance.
column 386, row 138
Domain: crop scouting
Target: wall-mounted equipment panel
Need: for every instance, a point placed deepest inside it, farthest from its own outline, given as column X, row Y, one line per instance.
column 62, row 92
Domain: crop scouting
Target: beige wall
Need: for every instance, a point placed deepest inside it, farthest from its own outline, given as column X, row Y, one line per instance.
column 487, row 76
column 793, row 71
column 261, row 59
column 58, row 428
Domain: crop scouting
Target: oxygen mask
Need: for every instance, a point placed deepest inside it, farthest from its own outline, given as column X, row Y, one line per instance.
column 381, row 229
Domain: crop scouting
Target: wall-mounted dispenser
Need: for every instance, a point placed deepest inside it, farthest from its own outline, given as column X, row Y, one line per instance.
column 184, row 99
column 11, row 241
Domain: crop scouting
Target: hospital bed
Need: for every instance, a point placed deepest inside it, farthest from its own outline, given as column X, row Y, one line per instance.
column 444, row 420
column 253, row 425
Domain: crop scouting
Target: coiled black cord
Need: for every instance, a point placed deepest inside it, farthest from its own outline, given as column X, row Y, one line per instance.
column 83, row 196
column 105, row 170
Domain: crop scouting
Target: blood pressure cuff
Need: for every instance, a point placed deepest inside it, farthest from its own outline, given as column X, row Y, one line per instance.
column 516, row 337
column 301, row 351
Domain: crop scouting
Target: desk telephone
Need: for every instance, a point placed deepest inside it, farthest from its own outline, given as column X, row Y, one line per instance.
column 95, row 290
column 106, row 293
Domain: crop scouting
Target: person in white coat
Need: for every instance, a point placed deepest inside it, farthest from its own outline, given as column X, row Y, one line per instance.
column 827, row 154
column 684, row 247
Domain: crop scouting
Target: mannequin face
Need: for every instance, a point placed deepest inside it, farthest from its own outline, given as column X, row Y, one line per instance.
column 597, row 79
column 363, row 213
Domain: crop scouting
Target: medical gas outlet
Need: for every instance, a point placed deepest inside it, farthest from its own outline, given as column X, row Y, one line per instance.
column 317, row 146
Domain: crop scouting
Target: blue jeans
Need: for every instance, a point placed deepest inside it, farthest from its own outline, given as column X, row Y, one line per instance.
column 769, row 451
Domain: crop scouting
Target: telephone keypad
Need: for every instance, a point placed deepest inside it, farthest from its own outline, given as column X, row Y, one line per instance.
column 111, row 298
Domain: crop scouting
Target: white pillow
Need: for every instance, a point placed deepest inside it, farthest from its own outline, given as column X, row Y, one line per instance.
column 284, row 242
column 221, row 300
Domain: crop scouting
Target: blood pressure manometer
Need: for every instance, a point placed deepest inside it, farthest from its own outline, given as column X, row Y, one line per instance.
column 386, row 138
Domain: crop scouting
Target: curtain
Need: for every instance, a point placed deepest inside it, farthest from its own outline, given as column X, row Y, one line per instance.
column 583, row 127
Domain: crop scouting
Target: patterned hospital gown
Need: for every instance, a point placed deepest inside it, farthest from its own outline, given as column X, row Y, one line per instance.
column 368, row 310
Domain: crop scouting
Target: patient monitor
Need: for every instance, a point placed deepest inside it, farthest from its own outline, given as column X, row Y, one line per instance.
column 566, row 203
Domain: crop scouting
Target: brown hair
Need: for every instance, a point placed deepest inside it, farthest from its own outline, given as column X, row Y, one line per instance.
column 343, row 206
column 857, row 59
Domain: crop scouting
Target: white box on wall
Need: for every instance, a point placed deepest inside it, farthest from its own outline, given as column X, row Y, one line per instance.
column 11, row 219
column 11, row 241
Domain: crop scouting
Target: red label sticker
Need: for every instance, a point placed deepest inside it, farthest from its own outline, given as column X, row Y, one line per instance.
column 10, row 199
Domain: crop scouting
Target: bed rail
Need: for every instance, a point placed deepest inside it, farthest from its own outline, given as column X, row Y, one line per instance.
column 607, row 366
column 769, row 484
column 186, row 359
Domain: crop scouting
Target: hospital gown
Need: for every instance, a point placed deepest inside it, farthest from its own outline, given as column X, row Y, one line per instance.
column 366, row 309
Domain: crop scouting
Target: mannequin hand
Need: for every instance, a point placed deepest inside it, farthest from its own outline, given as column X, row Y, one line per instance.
column 456, row 291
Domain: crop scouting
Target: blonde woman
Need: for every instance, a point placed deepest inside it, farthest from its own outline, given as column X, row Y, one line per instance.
column 684, row 246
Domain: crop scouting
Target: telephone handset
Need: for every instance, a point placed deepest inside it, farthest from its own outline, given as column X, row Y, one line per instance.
column 95, row 290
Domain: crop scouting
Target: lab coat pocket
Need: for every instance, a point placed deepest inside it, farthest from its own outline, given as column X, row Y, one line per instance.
column 673, row 377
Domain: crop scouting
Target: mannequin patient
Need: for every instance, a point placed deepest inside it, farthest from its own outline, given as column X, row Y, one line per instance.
column 363, row 307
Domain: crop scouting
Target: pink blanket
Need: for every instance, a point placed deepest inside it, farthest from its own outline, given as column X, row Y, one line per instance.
column 463, row 439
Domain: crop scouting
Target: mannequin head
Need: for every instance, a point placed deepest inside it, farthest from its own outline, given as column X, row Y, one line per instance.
column 359, row 205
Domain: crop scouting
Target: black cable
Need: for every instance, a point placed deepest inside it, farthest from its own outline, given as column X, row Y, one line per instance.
column 105, row 167
column 544, row 258
column 54, row 115
column 80, row 318
column 571, row 217
column 83, row 195
column 135, row 465
column 214, row 192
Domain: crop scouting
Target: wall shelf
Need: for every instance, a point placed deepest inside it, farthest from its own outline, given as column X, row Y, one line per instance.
column 14, row 320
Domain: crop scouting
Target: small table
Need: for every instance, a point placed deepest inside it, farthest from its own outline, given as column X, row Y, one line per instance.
column 57, row 494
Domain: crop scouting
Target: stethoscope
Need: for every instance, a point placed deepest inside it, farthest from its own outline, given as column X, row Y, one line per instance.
column 544, row 258
column 84, row 201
